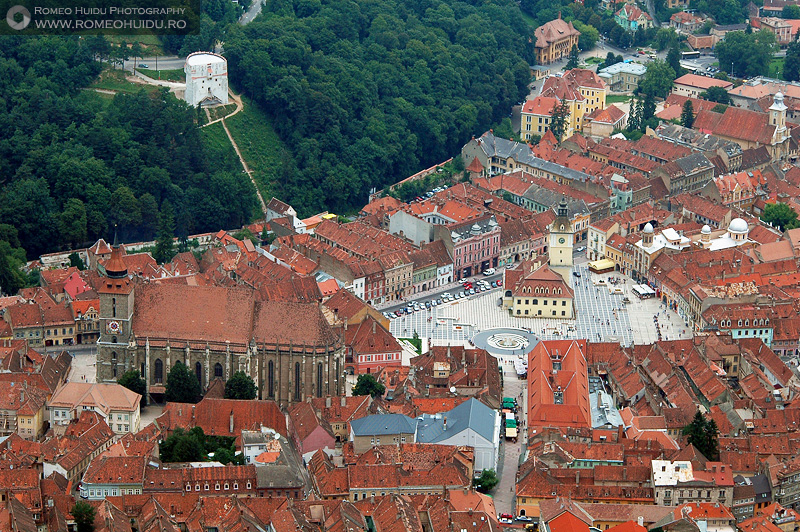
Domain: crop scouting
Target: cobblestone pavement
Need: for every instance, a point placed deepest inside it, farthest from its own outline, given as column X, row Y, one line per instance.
column 508, row 459
column 601, row 316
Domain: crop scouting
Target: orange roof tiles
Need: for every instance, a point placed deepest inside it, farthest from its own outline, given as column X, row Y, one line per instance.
column 558, row 398
column 541, row 106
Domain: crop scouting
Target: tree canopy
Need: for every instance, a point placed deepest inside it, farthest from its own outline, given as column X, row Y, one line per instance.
column 72, row 164
column 367, row 385
column 716, row 94
column 240, row 386
column 194, row 446
column 658, row 78
column 748, row 53
column 182, row 385
column 687, row 114
column 704, row 435
column 781, row 215
column 84, row 514
column 133, row 381
column 791, row 66
column 364, row 93
column 487, row 481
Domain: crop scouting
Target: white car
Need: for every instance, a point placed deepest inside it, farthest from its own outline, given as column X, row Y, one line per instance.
column 488, row 272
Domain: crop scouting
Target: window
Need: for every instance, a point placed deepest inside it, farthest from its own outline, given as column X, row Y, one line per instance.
column 218, row 370
column 271, row 378
column 198, row 371
column 297, row 381
column 158, row 376
column 319, row 379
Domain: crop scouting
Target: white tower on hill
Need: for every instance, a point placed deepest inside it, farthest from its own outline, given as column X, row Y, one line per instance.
column 206, row 79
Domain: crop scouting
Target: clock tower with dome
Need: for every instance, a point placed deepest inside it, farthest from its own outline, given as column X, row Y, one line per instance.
column 560, row 249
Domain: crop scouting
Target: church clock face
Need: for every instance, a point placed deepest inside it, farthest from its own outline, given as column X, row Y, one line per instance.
column 561, row 240
column 113, row 326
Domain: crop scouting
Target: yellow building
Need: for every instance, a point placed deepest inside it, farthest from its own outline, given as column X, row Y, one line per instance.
column 561, row 238
column 583, row 92
column 537, row 292
column 555, row 40
column 31, row 417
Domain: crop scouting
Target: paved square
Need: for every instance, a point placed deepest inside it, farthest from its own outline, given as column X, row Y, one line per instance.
column 601, row 316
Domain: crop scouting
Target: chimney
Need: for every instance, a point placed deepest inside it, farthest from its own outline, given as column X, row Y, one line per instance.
column 444, row 425
column 345, row 324
column 343, row 401
column 640, row 520
column 230, row 423
column 577, row 478
column 374, row 324
column 327, row 402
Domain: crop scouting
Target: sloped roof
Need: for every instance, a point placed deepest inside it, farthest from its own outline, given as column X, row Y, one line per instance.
column 471, row 414
column 383, row 424
column 553, row 31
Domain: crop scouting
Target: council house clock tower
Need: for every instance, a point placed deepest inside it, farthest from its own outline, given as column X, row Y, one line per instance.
column 560, row 250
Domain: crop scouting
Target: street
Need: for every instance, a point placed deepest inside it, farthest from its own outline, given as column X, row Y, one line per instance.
column 251, row 13
column 504, row 494
column 164, row 62
column 437, row 292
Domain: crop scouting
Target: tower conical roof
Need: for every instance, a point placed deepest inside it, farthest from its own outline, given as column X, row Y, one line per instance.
column 115, row 267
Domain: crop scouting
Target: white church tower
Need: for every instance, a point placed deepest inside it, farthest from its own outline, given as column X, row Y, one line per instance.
column 206, row 79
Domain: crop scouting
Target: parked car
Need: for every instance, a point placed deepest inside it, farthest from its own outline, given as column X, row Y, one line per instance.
column 143, row 65
column 490, row 271
column 398, row 313
column 506, row 518
column 576, row 274
column 524, row 518
column 471, row 291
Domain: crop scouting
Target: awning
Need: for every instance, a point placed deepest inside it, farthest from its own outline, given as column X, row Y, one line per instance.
column 602, row 264
column 511, row 433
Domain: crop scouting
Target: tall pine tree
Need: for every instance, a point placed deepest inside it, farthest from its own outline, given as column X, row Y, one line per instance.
column 559, row 120
column 687, row 115
column 165, row 249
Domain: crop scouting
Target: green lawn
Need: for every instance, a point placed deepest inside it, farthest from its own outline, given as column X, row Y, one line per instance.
column 114, row 80
column 529, row 19
column 216, row 141
column 164, row 75
column 150, row 43
column 259, row 144
column 617, row 98
column 776, row 67
column 223, row 110
column 595, row 60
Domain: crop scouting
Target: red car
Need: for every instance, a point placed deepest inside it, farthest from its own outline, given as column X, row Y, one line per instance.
column 505, row 518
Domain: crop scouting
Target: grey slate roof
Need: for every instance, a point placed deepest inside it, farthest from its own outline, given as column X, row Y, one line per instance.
column 383, row 424
column 693, row 139
column 694, row 163
column 285, row 472
column 547, row 197
column 499, row 147
column 472, row 228
column 471, row 414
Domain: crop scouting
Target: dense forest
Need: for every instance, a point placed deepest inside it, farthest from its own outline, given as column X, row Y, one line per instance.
column 366, row 92
column 73, row 164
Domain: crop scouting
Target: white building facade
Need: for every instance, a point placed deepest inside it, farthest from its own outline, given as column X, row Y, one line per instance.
column 206, row 79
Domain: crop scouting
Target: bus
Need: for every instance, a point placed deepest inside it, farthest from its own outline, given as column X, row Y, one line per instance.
column 690, row 55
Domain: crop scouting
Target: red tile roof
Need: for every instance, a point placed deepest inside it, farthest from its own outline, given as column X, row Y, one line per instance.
column 541, row 105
